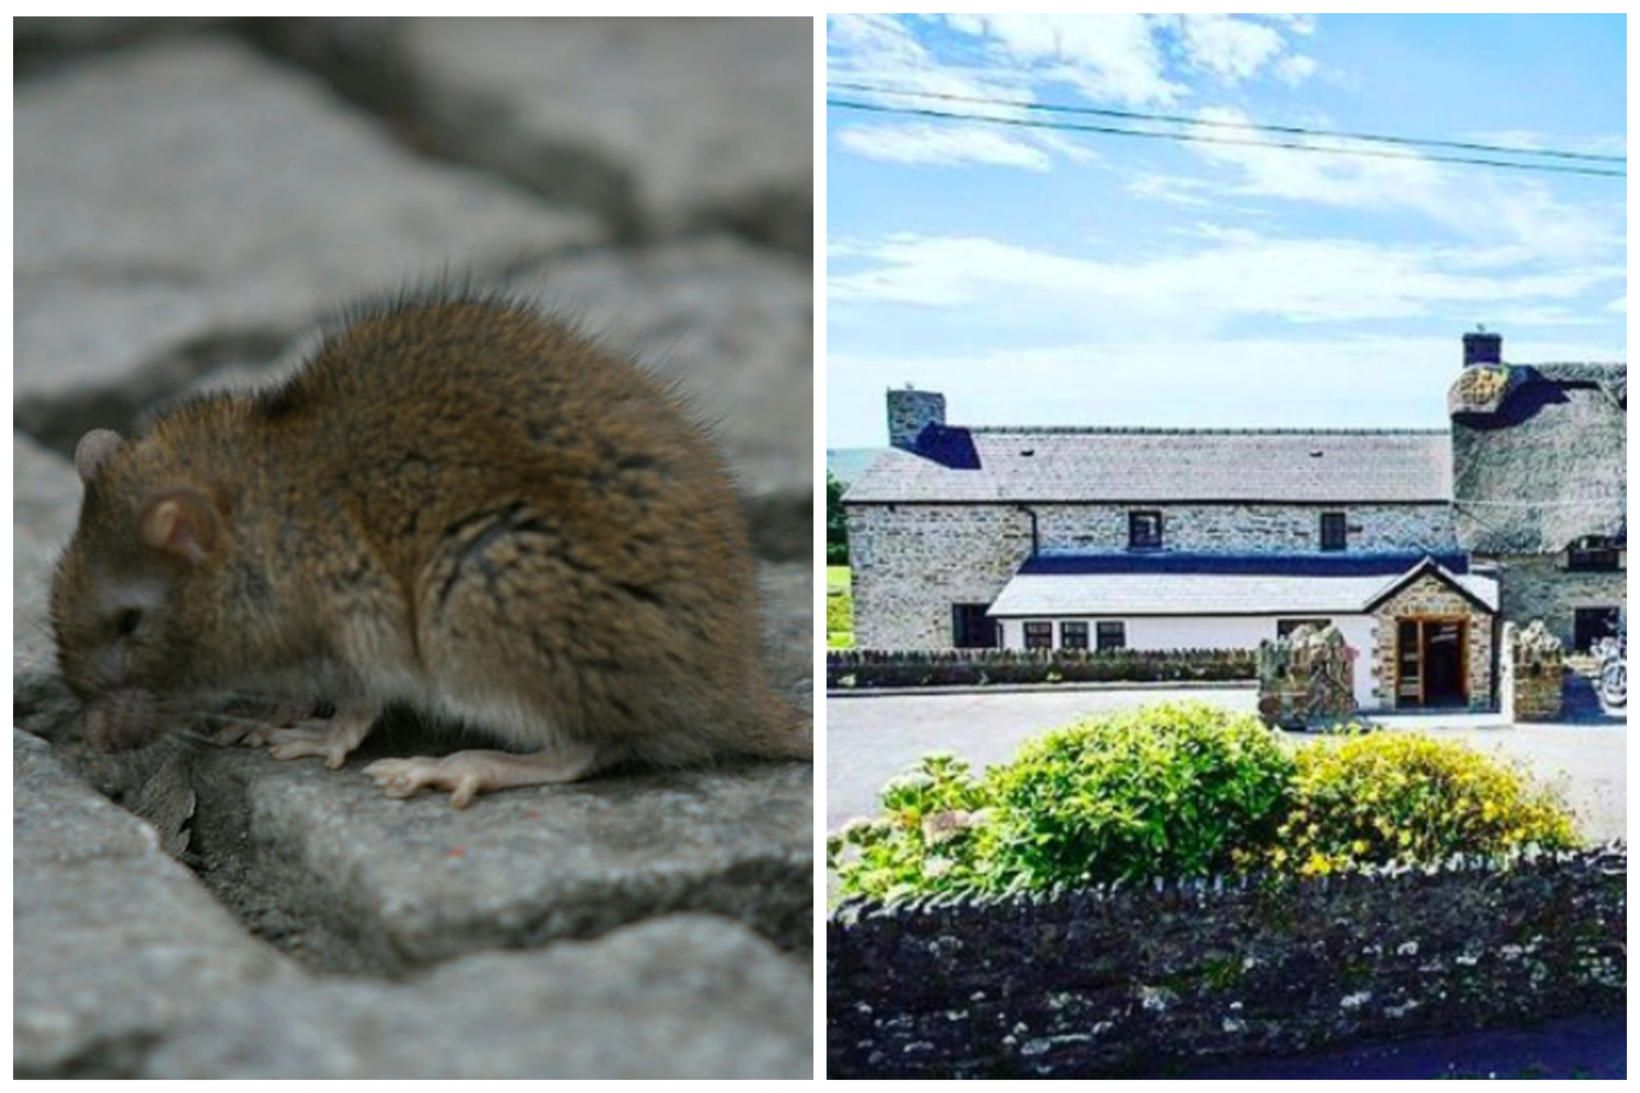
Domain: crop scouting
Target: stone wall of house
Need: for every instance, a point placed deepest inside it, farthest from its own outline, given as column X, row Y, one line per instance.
column 912, row 562
column 1538, row 586
column 1062, row 985
column 1428, row 596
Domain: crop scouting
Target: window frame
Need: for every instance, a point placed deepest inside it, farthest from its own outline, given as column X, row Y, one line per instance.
column 1135, row 517
column 1285, row 627
column 1065, row 631
column 1106, row 626
column 1342, row 522
column 1038, row 628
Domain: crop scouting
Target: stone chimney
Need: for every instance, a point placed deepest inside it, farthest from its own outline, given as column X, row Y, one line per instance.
column 1480, row 347
column 909, row 410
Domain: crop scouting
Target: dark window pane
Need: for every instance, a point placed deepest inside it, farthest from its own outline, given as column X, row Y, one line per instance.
column 1590, row 624
column 1039, row 635
column 1144, row 530
column 1112, row 635
column 1592, row 552
column 971, row 628
column 1073, row 635
column 1285, row 627
column 1334, row 532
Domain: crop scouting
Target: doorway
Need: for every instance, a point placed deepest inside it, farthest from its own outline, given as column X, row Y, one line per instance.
column 1431, row 657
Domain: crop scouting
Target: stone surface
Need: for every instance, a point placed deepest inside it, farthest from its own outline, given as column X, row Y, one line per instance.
column 45, row 506
column 184, row 202
column 732, row 325
column 408, row 883
column 683, row 996
column 1428, row 597
column 113, row 943
column 661, row 126
column 1534, row 587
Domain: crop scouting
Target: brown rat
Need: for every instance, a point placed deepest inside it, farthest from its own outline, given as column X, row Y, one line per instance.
column 456, row 504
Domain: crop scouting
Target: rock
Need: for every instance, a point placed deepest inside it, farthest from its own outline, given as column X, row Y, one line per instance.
column 682, row 996
column 113, row 943
column 185, row 203
column 409, row 883
column 733, row 325
column 661, row 126
column 45, row 506
column 788, row 629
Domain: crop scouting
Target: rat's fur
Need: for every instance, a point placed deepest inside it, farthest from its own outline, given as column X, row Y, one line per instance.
column 457, row 504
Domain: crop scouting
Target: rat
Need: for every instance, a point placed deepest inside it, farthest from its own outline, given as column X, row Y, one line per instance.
column 456, row 504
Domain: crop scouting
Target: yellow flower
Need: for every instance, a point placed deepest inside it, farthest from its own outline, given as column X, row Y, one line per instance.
column 1359, row 846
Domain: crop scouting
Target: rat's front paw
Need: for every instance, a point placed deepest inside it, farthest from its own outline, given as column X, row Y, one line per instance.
column 466, row 774
column 332, row 740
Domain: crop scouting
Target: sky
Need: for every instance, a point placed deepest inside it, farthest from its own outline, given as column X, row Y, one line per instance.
column 1053, row 278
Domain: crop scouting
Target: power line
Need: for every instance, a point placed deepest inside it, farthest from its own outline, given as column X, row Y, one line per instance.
column 1202, row 138
column 1180, row 119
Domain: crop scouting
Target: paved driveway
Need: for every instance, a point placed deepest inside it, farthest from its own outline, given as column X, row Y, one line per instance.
column 870, row 739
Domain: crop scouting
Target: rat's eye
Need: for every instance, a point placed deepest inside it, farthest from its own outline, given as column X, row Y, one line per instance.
column 127, row 621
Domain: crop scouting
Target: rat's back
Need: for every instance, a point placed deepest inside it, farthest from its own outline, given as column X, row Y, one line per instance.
column 569, row 546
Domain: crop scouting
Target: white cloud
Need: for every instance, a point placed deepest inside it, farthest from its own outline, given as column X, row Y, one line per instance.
column 1485, row 207
column 942, row 145
column 1130, row 60
column 1237, row 274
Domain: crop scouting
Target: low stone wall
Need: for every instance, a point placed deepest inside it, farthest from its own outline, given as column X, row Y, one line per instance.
column 867, row 668
column 1118, row 982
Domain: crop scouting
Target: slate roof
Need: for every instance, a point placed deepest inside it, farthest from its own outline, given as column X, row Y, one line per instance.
column 1159, row 592
column 1544, row 463
column 955, row 464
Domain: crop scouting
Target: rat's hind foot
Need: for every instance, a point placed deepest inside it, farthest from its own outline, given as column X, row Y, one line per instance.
column 330, row 739
column 469, row 773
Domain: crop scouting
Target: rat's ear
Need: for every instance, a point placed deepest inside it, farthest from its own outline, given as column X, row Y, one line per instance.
column 93, row 451
column 181, row 522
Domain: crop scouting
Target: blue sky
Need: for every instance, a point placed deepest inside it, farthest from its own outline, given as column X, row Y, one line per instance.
column 1057, row 278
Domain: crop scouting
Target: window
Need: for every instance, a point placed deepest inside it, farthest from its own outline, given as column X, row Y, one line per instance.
column 1073, row 635
column 1112, row 635
column 1592, row 552
column 1590, row 624
column 1039, row 635
column 1144, row 530
column 1285, row 627
column 1334, row 532
column 971, row 628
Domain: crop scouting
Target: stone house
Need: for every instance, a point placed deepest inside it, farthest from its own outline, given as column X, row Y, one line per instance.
column 1416, row 543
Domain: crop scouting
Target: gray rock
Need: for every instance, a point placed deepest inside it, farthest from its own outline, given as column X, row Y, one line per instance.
column 788, row 627
column 732, row 324
column 683, row 996
column 45, row 506
column 409, row 883
column 113, row 943
column 662, row 126
column 184, row 202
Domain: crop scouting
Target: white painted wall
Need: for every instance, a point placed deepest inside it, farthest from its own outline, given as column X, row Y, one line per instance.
column 1162, row 632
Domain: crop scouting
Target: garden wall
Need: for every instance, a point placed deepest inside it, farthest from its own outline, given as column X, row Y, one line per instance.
column 1119, row 982
column 866, row 668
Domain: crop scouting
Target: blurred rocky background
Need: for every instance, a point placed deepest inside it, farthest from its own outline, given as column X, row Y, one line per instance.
column 191, row 195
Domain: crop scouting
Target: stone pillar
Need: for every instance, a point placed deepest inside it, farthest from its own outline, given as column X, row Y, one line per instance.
column 1306, row 678
column 1536, row 673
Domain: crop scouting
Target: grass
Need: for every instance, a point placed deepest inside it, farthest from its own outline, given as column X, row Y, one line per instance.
column 839, row 608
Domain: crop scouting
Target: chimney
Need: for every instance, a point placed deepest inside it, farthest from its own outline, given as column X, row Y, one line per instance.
column 1479, row 347
column 909, row 411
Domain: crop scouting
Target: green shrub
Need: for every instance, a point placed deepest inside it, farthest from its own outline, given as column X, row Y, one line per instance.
column 1187, row 790
column 1164, row 791
column 1401, row 797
